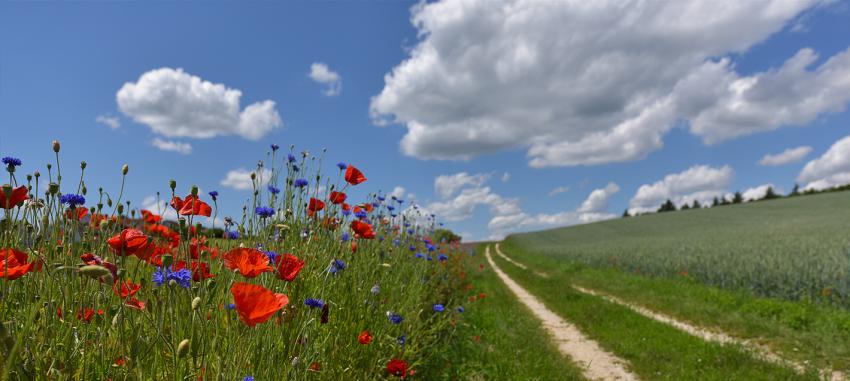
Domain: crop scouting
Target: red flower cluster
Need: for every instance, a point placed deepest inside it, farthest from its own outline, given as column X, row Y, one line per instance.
column 15, row 198
column 255, row 304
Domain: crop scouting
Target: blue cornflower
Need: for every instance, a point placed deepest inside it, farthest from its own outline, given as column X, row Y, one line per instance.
column 345, row 237
column 442, row 258
column 231, row 306
column 439, row 308
column 441, row 224
column 381, row 198
column 401, row 340
column 410, row 231
column 407, row 224
column 430, row 247
column 295, row 168
column 361, row 214
column 231, row 234
column 396, row 242
column 420, row 255
column 390, row 208
column 301, row 183
column 314, row 303
column 214, row 195
column 264, row 211
column 459, row 309
column 430, row 258
column 342, row 166
column 375, row 204
column 72, row 199
column 412, row 248
column 336, row 266
column 273, row 190
column 376, row 289
column 290, row 157
column 393, row 215
column 183, row 277
column 346, row 213
column 11, row 161
column 394, row 318
column 272, row 256
column 400, row 201
column 274, row 147
column 250, row 378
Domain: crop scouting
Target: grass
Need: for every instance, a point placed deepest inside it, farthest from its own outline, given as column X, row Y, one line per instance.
column 792, row 248
column 655, row 351
column 499, row 338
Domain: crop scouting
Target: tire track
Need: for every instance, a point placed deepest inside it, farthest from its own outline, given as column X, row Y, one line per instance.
column 596, row 363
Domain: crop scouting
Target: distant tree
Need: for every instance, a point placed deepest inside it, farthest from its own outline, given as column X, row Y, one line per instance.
column 685, row 206
column 715, row 202
column 738, row 198
column 445, row 235
column 795, row 191
column 770, row 194
column 626, row 213
column 667, row 206
column 696, row 205
column 725, row 201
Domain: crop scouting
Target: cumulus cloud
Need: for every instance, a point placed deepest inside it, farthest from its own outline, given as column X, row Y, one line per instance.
column 447, row 185
column 790, row 155
column 757, row 193
column 701, row 183
column 584, row 83
column 110, row 121
column 597, row 201
column 172, row 146
column 830, row 170
column 398, row 192
column 240, row 179
column 320, row 73
column 558, row 190
column 506, row 177
column 174, row 103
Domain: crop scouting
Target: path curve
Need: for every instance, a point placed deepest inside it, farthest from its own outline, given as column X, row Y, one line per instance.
column 517, row 264
column 596, row 363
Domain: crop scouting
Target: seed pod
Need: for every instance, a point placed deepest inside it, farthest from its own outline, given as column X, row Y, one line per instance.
column 172, row 184
column 194, row 190
column 183, row 348
column 94, row 271
column 196, row 303
column 53, row 188
column 56, row 146
column 82, row 165
column 125, row 169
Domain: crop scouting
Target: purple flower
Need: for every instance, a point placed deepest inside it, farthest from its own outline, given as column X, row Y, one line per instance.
column 72, row 199
column 301, row 183
column 214, row 195
column 274, row 147
column 394, row 318
column 439, row 308
column 273, row 190
column 314, row 303
column 264, row 211
column 342, row 166
column 11, row 161
column 290, row 157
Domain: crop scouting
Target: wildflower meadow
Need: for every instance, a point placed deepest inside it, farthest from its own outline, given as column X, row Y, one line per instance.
column 306, row 283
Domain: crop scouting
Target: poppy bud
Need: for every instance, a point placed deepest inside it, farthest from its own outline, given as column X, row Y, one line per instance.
column 82, row 165
column 29, row 177
column 183, row 348
column 196, row 303
column 194, row 190
column 84, row 191
column 53, row 188
column 173, row 184
column 109, row 202
column 120, row 208
column 172, row 283
column 93, row 271
column 56, row 146
column 125, row 169
column 133, row 213
column 37, row 174
column 253, row 175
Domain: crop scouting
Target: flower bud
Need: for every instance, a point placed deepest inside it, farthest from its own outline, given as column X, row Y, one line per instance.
column 253, row 175
column 82, row 165
column 53, row 188
column 56, row 146
column 120, row 208
column 94, row 271
column 172, row 184
column 183, row 348
column 125, row 169
column 196, row 303
column 194, row 190
column 37, row 174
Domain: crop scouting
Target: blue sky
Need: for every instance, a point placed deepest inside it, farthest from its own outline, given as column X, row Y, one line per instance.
column 62, row 64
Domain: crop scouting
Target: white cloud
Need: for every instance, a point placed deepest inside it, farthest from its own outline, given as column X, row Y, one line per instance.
column 558, row 190
column 398, row 192
column 757, row 193
column 320, row 73
column 110, row 121
column 174, row 103
column 583, row 83
column 790, row 155
column 161, row 208
column 241, row 178
column 506, row 177
column 173, row 146
column 447, row 185
column 700, row 182
column 463, row 205
column 597, row 201
column 830, row 170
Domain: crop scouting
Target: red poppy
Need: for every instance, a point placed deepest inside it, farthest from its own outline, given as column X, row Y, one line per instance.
column 365, row 338
column 397, row 368
column 91, row 259
column 77, row 213
column 125, row 288
column 87, row 314
column 191, row 206
column 288, row 267
column 13, row 264
column 353, row 175
column 119, row 361
column 150, row 218
column 16, row 197
column 200, row 270
column 346, row 206
column 249, row 262
column 362, row 229
column 314, row 366
column 256, row 304
column 314, row 206
column 96, row 219
column 128, row 242
column 353, row 246
column 337, row 197
column 135, row 304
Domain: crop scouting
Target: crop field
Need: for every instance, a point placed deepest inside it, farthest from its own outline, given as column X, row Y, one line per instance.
column 794, row 248
column 305, row 284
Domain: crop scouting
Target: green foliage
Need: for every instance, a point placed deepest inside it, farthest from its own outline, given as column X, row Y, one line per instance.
column 445, row 235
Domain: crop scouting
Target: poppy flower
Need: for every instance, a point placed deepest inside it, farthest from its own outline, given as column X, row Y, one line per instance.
column 15, row 198
column 76, row 213
column 125, row 288
column 362, row 229
column 353, row 246
column 255, row 304
column 314, row 206
column 128, row 242
column 13, row 264
column 87, row 313
column 91, row 259
column 200, row 270
column 288, row 267
column 135, row 304
column 191, row 206
column 365, row 338
column 397, row 368
column 249, row 262
column 337, row 197
column 150, row 218
column 353, row 175
column 346, row 207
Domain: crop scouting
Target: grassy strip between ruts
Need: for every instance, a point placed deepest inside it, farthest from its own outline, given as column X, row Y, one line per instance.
column 654, row 350
column 804, row 332
column 500, row 339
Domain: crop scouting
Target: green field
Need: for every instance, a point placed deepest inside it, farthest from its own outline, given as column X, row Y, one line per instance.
column 791, row 248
